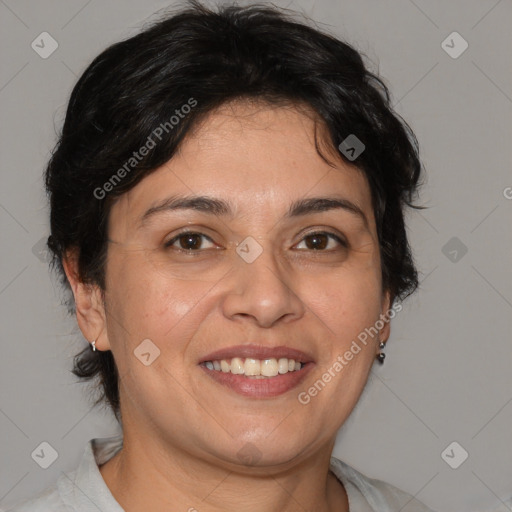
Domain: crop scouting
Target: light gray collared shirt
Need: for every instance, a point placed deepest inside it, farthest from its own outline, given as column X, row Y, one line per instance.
column 84, row 490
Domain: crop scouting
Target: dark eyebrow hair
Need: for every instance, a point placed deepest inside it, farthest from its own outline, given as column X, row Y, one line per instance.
column 322, row 204
column 220, row 207
column 203, row 204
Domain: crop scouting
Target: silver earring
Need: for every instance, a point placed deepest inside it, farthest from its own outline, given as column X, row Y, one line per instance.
column 381, row 356
column 93, row 343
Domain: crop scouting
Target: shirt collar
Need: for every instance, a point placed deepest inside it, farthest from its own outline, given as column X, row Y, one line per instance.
column 84, row 489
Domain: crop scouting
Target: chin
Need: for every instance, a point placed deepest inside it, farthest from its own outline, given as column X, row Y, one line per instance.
column 264, row 452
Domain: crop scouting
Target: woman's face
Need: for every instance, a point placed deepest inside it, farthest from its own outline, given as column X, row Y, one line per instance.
column 283, row 253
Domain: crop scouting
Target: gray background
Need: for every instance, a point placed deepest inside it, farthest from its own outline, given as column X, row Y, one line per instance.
column 447, row 375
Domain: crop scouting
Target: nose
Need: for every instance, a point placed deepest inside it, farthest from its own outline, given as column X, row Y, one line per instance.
column 261, row 292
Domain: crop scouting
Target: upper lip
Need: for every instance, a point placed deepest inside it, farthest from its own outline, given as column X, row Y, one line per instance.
column 257, row 352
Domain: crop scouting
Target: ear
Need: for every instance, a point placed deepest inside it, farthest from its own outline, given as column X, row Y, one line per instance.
column 386, row 306
column 89, row 301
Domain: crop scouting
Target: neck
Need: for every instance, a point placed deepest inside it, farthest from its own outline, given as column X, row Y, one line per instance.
column 151, row 477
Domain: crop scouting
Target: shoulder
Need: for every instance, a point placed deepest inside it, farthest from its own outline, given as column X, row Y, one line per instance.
column 47, row 500
column 80, row 489
column 377, row 495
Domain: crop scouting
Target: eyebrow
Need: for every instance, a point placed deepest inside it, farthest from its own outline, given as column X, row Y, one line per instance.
column 219, row 207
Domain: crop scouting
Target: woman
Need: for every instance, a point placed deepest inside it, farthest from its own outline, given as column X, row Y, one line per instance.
column 227, row 204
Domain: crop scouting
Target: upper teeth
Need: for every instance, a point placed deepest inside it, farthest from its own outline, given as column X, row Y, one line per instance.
column 255, row 367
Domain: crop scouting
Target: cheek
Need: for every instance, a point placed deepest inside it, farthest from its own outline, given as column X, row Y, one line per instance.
column 148, row 304
column 346, row 299
column 168, row 314
column 164, row 310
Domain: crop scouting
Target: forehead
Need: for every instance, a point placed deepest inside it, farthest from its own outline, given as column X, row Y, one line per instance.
column 257, row 157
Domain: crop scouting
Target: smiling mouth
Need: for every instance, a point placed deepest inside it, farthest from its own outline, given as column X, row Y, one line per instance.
column 257, row 371
column 255, row 368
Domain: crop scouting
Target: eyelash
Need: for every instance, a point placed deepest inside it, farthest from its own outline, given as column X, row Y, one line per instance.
column 170, row 242
column 173, row 240
column 343, row 243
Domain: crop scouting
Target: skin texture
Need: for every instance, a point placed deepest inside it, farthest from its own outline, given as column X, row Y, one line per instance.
column 182, row 430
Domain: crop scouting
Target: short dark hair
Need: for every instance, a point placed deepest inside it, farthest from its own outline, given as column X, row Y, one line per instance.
column 203, row 58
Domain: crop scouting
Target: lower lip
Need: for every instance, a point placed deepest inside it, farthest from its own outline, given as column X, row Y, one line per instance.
column 260, row 388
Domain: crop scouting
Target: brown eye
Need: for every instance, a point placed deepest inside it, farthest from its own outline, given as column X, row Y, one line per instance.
column 189, row 242
column 321, row 241
column 315, row 242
